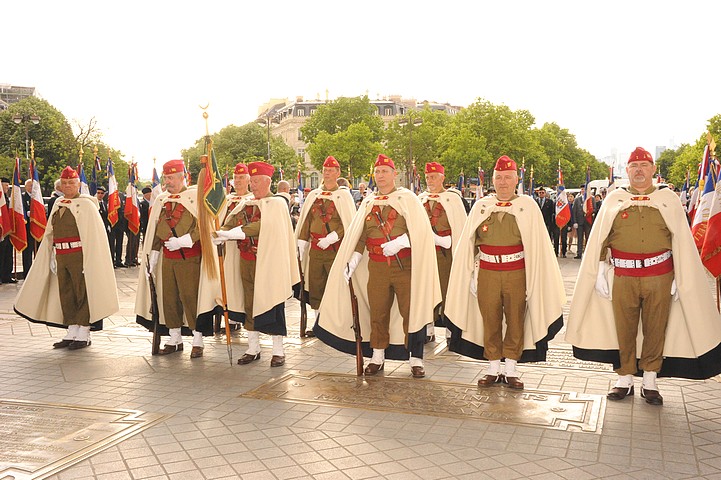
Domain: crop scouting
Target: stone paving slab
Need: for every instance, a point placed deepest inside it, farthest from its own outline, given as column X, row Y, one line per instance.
column 211, row 431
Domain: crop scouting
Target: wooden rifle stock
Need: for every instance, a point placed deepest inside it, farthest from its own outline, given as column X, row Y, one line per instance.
column 154, row 310
column 303, row 312
column 356, row 330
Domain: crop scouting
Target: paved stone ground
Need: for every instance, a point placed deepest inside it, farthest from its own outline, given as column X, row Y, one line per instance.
column 213, row 433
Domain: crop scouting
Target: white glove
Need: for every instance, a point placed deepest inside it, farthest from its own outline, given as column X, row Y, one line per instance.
column 54, row 263
column 396, row 245
column 302, row 247
column 235, row 233
column 674, row 290
column 443, row 242
column 602, row 282
column 218, row 239
column 176, row 243
column 328, row 240
column 352, row 265
column 575, row 225
column 153, row 261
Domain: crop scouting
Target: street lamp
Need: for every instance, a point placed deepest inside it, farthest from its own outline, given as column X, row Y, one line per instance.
column 264, row 121
column 411, row 121
column 26, row 119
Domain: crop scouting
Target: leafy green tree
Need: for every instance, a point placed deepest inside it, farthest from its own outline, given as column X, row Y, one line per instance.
column 52, row 138
column 415, row 134
column 354, row 148
column 246, row 143
column 338, row 115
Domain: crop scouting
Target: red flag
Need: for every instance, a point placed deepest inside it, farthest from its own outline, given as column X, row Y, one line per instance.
column 132, row 207
column 711, row 251
column 113, row 195
column 700, row 219
column 563, row 209
column 38, row 219
column 588, row 198
column 18, row 234
column 6, row 224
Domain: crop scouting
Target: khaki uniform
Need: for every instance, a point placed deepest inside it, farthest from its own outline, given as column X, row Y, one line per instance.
column 501, row 292
column 181, row 276
column 640, row 230
column 441, row 226
column 73, row 295
column 322, row 219
column 386, row 279
column 249, row 217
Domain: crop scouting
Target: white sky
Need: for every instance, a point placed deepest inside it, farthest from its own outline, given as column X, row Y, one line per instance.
column 617, row 74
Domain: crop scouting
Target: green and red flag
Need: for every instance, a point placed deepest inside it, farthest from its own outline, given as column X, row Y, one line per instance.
column 213, row 192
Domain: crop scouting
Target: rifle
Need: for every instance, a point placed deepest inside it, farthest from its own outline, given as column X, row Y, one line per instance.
column 154, row 311
column 381, row 226
column 356, row 330
column 303, row 312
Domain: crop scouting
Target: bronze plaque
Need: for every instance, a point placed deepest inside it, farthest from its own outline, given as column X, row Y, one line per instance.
column 540, row 408
column 41, row 439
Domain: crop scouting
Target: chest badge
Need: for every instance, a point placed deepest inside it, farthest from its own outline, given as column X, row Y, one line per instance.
column 484, row 228
column 624, row 215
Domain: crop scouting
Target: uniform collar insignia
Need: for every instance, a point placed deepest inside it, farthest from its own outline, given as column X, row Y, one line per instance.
column 640, row 198
column 174, row 196
column 382, row 197
column 65, row 200
column 503, row 204
column 326, row 193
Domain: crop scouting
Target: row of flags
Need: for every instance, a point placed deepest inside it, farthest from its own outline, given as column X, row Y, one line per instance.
column 13, row 217
column 704, row 210
column 704, row 206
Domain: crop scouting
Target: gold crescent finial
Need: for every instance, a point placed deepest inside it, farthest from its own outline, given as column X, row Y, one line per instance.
column 205, row 117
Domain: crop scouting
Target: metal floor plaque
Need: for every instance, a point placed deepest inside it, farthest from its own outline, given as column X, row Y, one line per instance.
column 540, row 408
column 41, row 439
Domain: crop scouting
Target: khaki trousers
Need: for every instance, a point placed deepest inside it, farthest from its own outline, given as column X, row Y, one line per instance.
column 73, row 294
column 247, row 276
column 180, row 291
column 318, row 269
column 502, row 294
column 384, row 283
column 647, row 298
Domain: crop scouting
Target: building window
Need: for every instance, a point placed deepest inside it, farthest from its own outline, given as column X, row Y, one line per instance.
column 388, row 111
column 299, row 112
column 313, row 180
column 301, row 153
column 300, row 135
column 312, row 110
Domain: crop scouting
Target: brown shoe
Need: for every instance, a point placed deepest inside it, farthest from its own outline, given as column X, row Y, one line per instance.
column 78, row 344
column 62, row 344
column 168, row 349
column 653, row 397
column 196, row 352
column 373, row 368
column 490, row 380
column 619, row 393
column 513, row 382
column 247, row 358
column 418, row 372
column 309, row 333
column 277, row 361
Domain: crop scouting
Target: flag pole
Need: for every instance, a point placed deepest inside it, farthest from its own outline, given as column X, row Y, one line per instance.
column 221, row 248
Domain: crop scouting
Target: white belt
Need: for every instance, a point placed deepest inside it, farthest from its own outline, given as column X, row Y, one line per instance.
column 646, row 262
column 67, row 245
column 508, row 258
